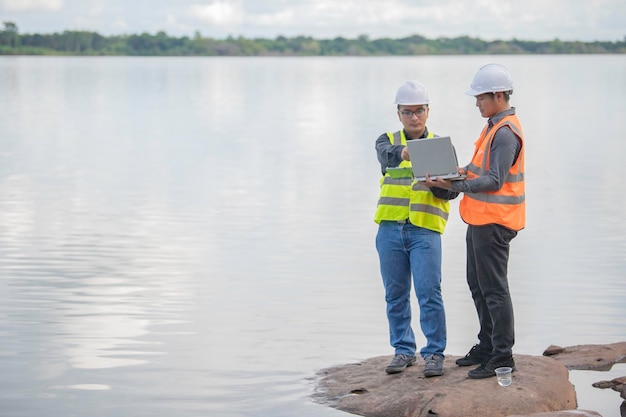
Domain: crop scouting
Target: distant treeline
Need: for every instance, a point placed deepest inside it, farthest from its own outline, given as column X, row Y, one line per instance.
column 160, row 44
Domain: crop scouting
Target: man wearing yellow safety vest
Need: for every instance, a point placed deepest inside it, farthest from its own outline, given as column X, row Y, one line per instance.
column 411, row 219
column 493, row 206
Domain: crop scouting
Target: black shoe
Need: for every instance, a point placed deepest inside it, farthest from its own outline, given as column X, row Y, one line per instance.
column 488, row 368
column 475, row 356
column 399, row 363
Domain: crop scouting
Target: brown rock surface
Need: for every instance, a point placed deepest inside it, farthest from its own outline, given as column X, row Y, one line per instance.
column 568, row 413
column 589, row 357
column 616, row 384
column 594, row 358
column 540, row 384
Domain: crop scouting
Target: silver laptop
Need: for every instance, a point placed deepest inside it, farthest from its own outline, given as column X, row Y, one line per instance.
column 435, row 157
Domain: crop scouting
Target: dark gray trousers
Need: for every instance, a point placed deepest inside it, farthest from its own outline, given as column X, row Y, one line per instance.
column 487, row 265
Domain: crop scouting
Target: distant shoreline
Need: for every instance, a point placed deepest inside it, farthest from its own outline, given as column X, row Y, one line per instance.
column 85, row 43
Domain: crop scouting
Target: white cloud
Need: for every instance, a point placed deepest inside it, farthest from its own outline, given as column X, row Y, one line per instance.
column 219, row 12
column 485, row 19
column 283, row 18
column 23, row 5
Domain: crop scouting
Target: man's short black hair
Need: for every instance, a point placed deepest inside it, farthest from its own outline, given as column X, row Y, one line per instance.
column 507, row 94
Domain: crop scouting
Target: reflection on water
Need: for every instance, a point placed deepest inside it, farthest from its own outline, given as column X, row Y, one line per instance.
column 605, row 401
column 189, row 237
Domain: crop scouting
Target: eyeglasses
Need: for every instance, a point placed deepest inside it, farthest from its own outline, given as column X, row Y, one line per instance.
column 409, row 114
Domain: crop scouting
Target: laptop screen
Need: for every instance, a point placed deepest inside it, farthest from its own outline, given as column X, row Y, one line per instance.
column 434, row 156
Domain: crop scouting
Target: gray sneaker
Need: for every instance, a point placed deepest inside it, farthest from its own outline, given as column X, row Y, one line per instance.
column 399, row 363
column 433, row 365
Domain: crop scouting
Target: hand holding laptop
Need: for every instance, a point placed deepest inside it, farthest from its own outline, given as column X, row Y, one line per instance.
column 440, row 182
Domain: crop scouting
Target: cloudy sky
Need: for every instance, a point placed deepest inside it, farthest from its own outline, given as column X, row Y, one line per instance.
column 585, row 20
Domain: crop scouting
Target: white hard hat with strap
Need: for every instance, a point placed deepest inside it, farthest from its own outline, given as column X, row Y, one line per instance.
column 491, row 78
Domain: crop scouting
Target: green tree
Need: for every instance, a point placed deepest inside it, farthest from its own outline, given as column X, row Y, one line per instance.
column 92, row 43
column 9, row 36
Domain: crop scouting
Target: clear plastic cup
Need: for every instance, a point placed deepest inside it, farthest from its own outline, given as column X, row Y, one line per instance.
column 504, row 376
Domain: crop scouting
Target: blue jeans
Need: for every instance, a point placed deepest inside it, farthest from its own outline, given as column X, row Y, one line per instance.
column 407, row 251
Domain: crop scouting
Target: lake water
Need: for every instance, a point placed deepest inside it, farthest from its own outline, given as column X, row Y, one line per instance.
column 194, row 236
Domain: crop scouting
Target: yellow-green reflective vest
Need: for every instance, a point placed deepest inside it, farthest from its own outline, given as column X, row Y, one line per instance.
column 405, row 198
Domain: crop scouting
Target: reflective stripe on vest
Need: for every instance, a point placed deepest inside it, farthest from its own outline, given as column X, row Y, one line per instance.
column 402, row 198
column 506, row 206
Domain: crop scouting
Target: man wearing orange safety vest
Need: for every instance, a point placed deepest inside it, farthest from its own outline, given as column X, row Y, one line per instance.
column 493, row 206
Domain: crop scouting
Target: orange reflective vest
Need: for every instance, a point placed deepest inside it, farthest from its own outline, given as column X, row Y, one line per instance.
column 507, row 206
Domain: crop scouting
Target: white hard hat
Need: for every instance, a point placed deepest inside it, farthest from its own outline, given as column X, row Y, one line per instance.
column 491, row 78
column 411, row 93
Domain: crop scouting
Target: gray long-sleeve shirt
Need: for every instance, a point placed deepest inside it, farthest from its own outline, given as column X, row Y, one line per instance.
column 390, row 156
column 505, row 149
